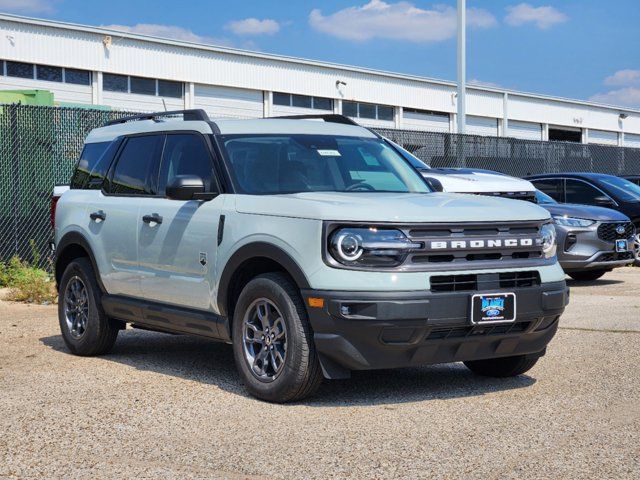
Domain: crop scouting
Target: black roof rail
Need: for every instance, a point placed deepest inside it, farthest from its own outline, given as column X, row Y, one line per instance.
column 327, row 117
column 193, row 114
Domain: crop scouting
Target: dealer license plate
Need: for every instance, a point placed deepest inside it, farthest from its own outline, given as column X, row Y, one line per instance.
column 493, row 308
column 622, row 246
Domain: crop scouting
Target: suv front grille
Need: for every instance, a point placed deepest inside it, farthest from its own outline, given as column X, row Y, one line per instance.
column 478, row 243
column 526, row 196
column 484, row 281
column 471, row 331
column 608, row 233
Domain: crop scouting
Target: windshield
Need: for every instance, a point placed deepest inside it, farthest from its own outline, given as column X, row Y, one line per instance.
column 622, row 189
column 272, row 164
column 542, row 198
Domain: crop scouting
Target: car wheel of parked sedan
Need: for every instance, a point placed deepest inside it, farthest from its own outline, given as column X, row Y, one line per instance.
column 503, row 367
column 273, row 342
column 636, row 250
column 587, row 275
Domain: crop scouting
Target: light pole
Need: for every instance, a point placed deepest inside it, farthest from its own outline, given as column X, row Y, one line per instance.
column 462, row 65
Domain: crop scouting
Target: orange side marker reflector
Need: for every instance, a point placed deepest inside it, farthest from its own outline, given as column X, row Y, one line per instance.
column 315, row 302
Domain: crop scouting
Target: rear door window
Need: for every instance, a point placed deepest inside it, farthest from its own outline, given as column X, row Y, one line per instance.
column 581, row 192
column 552, row 187
column 135, row 171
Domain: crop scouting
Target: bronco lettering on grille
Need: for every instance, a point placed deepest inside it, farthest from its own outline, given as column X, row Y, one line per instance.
column 492, row 243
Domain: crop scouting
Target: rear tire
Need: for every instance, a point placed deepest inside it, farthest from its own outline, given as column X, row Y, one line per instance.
column 85, row 327
column 273, row 342
column 587, row 275
column 503, row 367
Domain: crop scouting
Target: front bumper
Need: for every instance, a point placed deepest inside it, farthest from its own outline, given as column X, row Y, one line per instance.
column 376, row 330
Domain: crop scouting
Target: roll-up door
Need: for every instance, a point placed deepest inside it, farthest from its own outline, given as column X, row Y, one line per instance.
column 524, row 130
column 425, row 120
column 229, row 102
column 482, row 126
column 632, row 140
column 603, row 138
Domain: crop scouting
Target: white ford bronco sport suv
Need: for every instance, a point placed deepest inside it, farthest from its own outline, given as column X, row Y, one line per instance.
column 312, row 246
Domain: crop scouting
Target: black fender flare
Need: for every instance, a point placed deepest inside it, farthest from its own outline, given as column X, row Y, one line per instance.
column 257, row 250
column 68, row 240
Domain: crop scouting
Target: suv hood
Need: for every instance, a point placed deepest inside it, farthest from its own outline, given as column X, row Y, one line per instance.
column 468, row 181
column 587, row 212
column 390, row 207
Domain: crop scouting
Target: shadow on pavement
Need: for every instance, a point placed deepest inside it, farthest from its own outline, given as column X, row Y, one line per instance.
column 595, row 283
column 209, row 362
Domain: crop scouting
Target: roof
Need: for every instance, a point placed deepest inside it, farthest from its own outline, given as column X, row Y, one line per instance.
column 293, row 60
column 230, row 127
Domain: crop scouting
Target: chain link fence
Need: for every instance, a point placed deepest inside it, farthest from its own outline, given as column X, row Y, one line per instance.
column 39, row 147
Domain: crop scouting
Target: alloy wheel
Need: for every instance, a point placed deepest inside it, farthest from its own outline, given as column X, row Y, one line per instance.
column 264, row 339
column 76, row 307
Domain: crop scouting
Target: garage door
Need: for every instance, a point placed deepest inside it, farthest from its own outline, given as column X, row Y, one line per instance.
column 482, row 126
column 602, row 137
column 425, row 120
column 631, row 140
column 229, row 102
column 524, row 130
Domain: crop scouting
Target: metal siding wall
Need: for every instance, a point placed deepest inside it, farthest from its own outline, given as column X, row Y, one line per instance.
column 524, row 130
column 425, row 122
column 482, row 126
column 483, row 103
column 229, row 102
column 63, row 92
column 140, row 103
column 631, row 140
column 602, row 137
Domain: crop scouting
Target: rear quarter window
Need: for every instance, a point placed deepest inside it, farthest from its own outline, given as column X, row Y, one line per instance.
column 88, row 164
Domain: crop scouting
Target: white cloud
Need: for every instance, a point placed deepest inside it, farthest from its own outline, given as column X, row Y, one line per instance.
column 253, row 26
column 28, row 6
column 623, row 97
column 169, row 31
column 623, row 78
column 541, row 17
column 396, row 21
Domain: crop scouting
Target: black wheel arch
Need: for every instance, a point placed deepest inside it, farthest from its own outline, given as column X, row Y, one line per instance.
column 256, row 252
column 71, row 246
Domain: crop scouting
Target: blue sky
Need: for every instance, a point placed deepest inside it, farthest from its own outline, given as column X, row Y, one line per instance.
column 587, row 49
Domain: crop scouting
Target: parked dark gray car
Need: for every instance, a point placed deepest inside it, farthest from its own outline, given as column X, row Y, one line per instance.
column 591, row 240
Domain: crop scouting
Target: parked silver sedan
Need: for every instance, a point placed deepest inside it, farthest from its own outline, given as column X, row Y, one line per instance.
column 591, row 240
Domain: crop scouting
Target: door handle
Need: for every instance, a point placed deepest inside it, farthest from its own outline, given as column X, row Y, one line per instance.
column 98, row 216
column 152, row 218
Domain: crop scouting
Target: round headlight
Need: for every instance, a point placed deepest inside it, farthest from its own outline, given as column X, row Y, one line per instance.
column 548, row 234
column 348, row 246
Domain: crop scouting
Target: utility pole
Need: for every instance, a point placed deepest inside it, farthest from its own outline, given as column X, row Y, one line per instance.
column 462, row 65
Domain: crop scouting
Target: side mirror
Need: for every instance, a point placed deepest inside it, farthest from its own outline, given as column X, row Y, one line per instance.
column 604, row 201
column 434, row 184
column 185, row 187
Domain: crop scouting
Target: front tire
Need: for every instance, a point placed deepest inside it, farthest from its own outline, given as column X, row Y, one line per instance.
column 85, row 327
column 587, row 275
column 273, row 342
column 503, row 367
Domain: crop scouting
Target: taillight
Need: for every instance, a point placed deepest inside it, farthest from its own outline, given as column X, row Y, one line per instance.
column 52, row 210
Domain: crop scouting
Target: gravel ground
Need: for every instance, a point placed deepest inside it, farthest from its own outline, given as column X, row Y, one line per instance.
column 171, row 407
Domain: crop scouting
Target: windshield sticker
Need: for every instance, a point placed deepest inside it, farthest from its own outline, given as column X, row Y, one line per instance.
column 328, row 153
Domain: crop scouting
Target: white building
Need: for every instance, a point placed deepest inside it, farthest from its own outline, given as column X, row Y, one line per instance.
column 90, row 65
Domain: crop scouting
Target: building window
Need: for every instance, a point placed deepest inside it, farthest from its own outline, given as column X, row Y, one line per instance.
column 142, row 86
column 167, row 88
column 19, row 69
column 115, row 83
column 50, row 74
column 367, row 110
column 302, row 101
column 77, row 77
